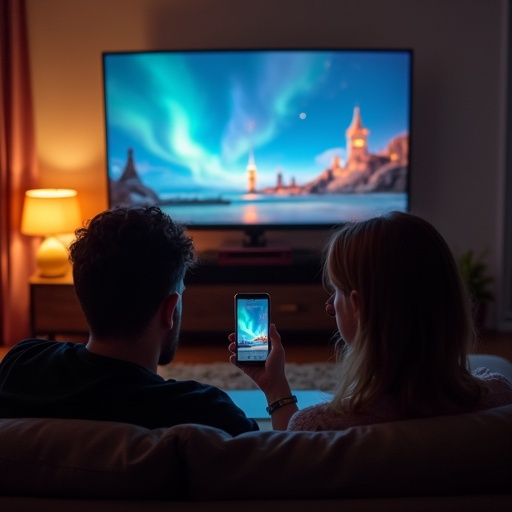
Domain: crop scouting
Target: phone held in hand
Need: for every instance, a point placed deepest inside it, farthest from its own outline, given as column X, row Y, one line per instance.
column 252, row 325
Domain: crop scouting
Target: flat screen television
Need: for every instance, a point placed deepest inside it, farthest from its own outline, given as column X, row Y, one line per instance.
column 259, row 139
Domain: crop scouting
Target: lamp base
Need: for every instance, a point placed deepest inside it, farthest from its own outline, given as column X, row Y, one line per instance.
column 52, row 258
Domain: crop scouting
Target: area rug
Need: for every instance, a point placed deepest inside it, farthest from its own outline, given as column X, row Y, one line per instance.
column 226, row 376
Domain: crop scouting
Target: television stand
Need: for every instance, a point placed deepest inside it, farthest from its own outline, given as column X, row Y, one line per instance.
column 268, row 255
column 254, row 237
column 296, row 293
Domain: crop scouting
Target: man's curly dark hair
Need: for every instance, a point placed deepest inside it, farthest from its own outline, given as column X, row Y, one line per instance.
column 125, row 262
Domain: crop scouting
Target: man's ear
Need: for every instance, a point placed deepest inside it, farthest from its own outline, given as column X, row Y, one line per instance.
column 356, row 303
column 168, row 306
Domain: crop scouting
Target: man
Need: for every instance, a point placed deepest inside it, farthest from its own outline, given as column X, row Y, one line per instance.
column 128, row 270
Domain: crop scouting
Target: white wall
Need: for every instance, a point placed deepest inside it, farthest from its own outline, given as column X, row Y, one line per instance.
column 458, row 132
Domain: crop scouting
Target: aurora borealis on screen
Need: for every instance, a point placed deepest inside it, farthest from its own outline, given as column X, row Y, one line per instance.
column 252, row 318
column 194, row 117
column 252, row 329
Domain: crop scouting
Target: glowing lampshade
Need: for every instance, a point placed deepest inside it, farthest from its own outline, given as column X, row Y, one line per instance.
column 49, row 212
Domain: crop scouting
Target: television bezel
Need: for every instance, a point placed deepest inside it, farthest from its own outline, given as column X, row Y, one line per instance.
column 255, row 232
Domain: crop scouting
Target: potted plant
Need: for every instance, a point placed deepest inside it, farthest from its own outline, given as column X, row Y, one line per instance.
column 475, row 273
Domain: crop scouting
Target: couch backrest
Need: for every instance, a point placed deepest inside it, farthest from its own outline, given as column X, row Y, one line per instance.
column 453, row 455
column 88, row 459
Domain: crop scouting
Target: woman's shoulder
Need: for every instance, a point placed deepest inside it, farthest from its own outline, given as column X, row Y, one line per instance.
column 324, row 417
column 312, row 418
column 499, row 388
column 491, row 377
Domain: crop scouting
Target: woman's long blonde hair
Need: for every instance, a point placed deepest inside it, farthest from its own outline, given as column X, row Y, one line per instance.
column 415, row 325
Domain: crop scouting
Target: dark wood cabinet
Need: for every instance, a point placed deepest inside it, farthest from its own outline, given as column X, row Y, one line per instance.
column 54, row 307
column 297, row 301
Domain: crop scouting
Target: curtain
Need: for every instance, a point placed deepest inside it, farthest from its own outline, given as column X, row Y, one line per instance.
column 17, row 172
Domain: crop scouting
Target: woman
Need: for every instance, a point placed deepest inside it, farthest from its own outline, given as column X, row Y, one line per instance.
column 405, row 323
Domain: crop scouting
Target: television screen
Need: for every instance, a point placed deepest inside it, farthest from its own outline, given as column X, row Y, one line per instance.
column 264, row 138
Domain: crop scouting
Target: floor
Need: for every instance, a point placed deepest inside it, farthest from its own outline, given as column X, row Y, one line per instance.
column 492, row 343
column 499, row 344
column 193, row 352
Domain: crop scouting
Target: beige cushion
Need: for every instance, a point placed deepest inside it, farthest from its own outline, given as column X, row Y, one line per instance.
column 87, row 459
column 467, row 454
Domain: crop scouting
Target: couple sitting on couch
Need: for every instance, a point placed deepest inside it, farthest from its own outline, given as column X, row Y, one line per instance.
column 401, row 309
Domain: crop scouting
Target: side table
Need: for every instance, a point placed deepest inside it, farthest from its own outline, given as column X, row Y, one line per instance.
column 54, row 307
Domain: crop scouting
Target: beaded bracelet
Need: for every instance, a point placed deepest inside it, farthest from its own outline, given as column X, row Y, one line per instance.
column 281, row 403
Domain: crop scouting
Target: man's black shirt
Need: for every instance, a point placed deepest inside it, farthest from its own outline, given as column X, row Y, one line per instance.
column 50, row 379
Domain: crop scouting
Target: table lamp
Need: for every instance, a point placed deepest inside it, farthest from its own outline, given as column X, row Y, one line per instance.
column 50, row 212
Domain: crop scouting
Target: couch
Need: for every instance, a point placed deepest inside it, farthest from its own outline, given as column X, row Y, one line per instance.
column 451, row 463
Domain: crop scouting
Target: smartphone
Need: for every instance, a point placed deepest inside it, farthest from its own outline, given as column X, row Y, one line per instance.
column 252, row 325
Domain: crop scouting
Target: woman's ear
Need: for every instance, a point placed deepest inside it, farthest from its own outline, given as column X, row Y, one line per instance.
column 356, row 303
column 168, row 306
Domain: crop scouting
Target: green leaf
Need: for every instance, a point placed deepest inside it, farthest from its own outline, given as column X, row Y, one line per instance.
column 474, row 271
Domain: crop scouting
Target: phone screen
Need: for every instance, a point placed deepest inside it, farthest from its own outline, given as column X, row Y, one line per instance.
column 252, row 322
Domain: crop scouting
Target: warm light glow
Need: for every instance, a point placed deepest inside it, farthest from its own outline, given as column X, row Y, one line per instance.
column 358, row 143
column 50, row 211
column 52, row 258
column 250, row 215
